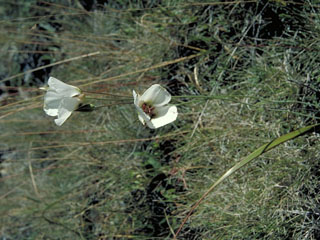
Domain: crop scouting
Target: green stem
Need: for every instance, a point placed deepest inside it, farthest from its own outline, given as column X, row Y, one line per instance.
column 107, row 94
column 108, row 99
column 110, row 105
column 223, row 97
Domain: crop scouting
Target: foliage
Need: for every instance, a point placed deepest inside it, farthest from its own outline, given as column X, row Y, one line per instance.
column 242, row 73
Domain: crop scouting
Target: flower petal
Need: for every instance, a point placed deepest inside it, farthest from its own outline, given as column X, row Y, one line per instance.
column 136, row 98
column 64, row 114
column 143, row 117
column 67, row 106
column 156, row 95
column 52, row 101
column 64, row 89
column 164, row 116
column 51, row 111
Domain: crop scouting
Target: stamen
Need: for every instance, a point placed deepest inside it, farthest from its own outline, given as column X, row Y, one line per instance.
column 149, row 110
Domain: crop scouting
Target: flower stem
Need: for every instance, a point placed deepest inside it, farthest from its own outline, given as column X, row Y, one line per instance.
column 106, row 94
column 115, row 104
column 108, row 99
column 223, row 97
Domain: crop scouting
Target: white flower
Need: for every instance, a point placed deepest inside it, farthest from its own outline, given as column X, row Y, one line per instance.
column 61, row 100
column 152, row 107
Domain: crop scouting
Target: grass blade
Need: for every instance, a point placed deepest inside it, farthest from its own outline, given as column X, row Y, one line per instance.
column 264, row 148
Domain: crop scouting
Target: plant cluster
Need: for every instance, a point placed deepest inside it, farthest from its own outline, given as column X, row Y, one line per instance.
column 202, row 153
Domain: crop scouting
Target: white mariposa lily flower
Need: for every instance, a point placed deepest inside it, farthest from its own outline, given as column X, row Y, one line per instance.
column 152, row 107
column 61, row 100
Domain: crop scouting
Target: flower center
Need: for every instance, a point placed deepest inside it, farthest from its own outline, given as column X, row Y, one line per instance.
column 148, row 109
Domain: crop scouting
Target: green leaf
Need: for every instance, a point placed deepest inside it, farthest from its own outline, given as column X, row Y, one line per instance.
column 264, row 148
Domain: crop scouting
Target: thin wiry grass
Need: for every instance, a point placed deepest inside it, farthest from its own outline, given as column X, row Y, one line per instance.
column 103, row 175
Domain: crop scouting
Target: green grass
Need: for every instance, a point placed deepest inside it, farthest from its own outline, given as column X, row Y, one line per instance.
column 102, row 175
